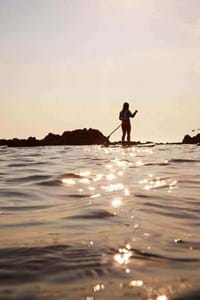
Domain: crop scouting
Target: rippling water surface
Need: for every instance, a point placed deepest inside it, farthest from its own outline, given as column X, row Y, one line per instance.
column 92, row 222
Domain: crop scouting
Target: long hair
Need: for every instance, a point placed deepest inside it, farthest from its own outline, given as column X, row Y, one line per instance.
column 125, row 106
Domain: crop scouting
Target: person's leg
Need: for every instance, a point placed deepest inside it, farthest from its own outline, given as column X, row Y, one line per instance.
column 123, row 135
column 123, row 132
column 128, row 133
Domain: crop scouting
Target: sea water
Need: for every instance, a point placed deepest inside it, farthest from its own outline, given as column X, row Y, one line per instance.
column 94, row 222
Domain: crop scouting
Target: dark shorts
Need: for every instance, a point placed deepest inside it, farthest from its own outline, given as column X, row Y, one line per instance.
column 126, row 125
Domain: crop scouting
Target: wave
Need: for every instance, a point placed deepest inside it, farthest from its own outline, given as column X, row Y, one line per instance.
column 173, row 214
column 59, row 263
column 78, row 195
column 179, row 160
column 157, row 164
column 24, row 208
column 30, row 178
column 188, row 295
column 154, row 256
column 25, row 164
column 53, row 182
column 93, row 214
column 71, row 175
column 20, row 195
column 23, row 224
column 47, row 197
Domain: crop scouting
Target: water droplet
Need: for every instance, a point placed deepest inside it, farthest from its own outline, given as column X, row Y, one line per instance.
column 139, row 163
column 116, row 202
column 95, row 196
column 98, row 287
column 162, row 297
column 91, row 188
column 68, row 181
column 110, row 176
column 85, row 173
column 123, row 256
column 178, row 241
column 85, row 181
column 136, row 283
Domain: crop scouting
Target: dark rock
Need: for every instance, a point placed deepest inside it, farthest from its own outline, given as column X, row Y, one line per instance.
column 191, row 140
column 51, row 139
column 3, row 142
column 187, row 139
column 84, row 137
column 76, row 137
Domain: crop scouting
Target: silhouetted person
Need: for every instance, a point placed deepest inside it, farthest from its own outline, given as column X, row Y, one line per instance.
column 125, row 116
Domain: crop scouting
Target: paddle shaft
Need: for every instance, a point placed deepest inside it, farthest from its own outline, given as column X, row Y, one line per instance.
column 113, row 131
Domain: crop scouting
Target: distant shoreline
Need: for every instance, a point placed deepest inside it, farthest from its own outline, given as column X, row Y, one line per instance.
column 85, row 136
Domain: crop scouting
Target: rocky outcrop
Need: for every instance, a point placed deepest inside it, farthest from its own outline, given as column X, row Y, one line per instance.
column 191, row 140
column 75, row 137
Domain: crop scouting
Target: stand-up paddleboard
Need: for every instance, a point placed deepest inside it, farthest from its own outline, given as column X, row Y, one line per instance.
column 128, row 144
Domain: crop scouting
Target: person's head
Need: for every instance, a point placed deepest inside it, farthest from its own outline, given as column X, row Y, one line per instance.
column 125, row 106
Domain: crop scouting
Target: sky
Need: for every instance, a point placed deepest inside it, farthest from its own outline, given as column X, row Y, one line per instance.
column 71, row 64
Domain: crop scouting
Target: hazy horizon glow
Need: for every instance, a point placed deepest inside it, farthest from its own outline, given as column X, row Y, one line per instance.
column 71, row 64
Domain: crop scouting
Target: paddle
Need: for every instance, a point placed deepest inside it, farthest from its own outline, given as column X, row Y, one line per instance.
column 112, row 132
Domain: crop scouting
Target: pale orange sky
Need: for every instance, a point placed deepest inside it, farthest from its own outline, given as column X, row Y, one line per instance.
column 71, row 64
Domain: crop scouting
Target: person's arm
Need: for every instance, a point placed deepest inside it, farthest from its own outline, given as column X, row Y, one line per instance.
column 120, row 116
column 133, row 115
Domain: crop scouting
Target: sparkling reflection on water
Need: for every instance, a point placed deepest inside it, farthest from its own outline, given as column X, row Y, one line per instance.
column 90, row 221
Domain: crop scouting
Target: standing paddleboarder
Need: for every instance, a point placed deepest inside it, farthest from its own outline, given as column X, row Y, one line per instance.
column 125, row 116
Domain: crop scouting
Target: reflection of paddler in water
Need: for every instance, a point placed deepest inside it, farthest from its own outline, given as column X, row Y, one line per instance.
column 125, row 116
